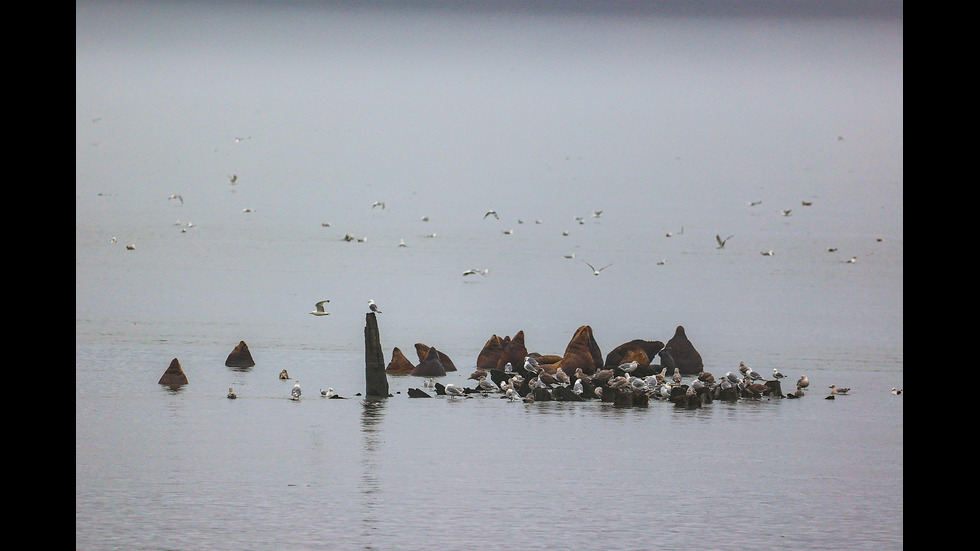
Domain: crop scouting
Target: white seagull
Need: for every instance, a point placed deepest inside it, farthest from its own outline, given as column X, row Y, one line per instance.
column 803, row 382
column 594, row 271
column 835, row 390
column 767, row 253
column 776, row 374
column 319, row 309
column 721, row 242
column 175, row 196
column 896, row 391
column 297, row 391
column 453, row 391
column 373, row 307
column 788, row 212
column 232, row 395
column 327, row 393
column 378, row 204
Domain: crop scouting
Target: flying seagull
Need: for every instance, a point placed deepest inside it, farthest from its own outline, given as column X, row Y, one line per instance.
column 721, row 242
column 373, row 307
column 378, row 204
column 319, row 309
column 233, row 179
column 175, row 196
column 482, row 272
column 594, row 271
column 493, row 212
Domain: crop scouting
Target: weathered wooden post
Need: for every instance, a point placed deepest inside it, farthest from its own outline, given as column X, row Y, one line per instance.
column 374, row 360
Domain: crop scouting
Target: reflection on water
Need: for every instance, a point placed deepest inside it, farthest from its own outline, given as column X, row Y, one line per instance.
column 371, row 417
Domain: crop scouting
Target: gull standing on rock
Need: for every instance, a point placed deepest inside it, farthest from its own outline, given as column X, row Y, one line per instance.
column 776, row 374
column 802, row 383
column 373, row 307
column 453, row 391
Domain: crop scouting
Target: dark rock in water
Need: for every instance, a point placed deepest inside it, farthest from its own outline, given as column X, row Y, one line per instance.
column 376, row 381
column 622, row 397
column 399, row 364
column 430, row 366
column 488, row 357
column 677, row 390
column 565, row 394
column 240, row 357
column 440, row 389
column 174, row 375
column 417, row 393
column 682, row 354
column 729, row 395
column 541, row 395
column 499, row 377
column 775, row 389
column 829, row 397
column 423, row 350
column 639, row 350
column 686, row 401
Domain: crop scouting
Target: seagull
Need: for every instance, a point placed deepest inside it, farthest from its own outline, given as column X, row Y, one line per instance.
column 753, row 374
column 507, row 232
column 327, row 393
column 130, row 247
column 373, row 307
column 283, row 375
column 787, row 212
column 486, row 385
column 113, row 240
column 596, row 214
column 767, row 253
column 232, row 395
column 564, row 233
column 325, row 224
column 233, row 179
column 429, row 383
column 297, row 391
column 512, row 394
column 237, row 140
column 835, row 390
column 175, row 196
column 776, row 374
column 754, row 203
column 571, row 256
column 562, row 377
column 661, row 262
column 531, row 365
column 594, row 271
column 831, row 249
column 670, row 234
column 677, row 377
column 807, row 203
column 895, row 391
column 453, row 391
column 247, row 209
column 401, row 243
column 578, row 387
column 473, row 271
column 852, row 260
column 378, row 204
column 493, row 212
column 803, row 382
column 721, row 242
column 630, row 367
column 319, row 309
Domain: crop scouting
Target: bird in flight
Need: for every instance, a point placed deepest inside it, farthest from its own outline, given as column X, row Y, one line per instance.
column 378, row 204
column 474, row 271
column 175, row 196
column 594, row 271
column 493, row 212
column 233, row 179
column 320, row 309
column 721, row 242
column 788, row 212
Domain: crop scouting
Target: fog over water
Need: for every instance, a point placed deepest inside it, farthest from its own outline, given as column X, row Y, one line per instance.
column 665, row 118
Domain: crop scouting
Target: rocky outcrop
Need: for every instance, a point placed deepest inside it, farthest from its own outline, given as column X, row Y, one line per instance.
column 376, row 381
column 680, row 353
column 399, row 364
column 422, row 350
column 240, row 357
column 174, row 375
column 430, row 365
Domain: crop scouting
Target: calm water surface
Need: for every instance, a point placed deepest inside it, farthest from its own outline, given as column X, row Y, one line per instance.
column 661, row 123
